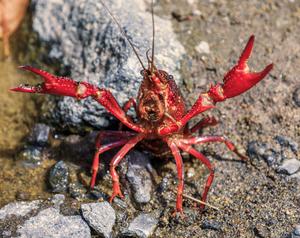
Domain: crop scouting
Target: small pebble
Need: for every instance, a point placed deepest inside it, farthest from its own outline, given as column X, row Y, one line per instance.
column 203, row 48
column 295, row 176
column 100, row 216
column 258, row 150
column 191, row 172
column 31, row 156
column 296, row 232
column 39, row 134
column 59, row 177
column 289, row 166
column 261, row 231
column 211, row 225
column 163, row 185
column 296, row 97
column 57, row 200
column 142, row 226
column 77, row 191
column 287, row 142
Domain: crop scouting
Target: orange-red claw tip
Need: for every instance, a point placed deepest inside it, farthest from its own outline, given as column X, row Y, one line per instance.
column 24, row 67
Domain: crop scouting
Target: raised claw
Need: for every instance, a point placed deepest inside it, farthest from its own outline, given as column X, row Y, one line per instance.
column 57, row 85
column 239, row 79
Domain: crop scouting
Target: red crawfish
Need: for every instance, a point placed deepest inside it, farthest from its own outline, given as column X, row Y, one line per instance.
column 161, row 115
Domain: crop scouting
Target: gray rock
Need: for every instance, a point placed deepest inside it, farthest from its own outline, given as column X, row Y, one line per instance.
column 100, row 216
column 211, row 225
column 6, row 234
column 296, row 96
column 139, row 177
column 83, row 37
column 39, row 134
column 287, row 142
column 259, row 150
column 203, row 48
column 289, row 166
column 57, row 200
column 142, row 226
column 59, row 177
column 31, row 156
column 18, row 209
column 50, row 223
column 77, row 191
column 296, row 232
column 295, row 176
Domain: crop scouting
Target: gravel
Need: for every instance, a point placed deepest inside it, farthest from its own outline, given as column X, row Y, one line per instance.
column 18, row 209
column 296, row 97
column 296, row 232
column 139, row 177
column 263, row 151
column 82, row 36
column 31, row 156
column 203, row 48
column 287, row 142
column 39, row 135
column 50, row 223
column 142, row 226
column 100, row 216
column 289, row 167
column 211, row 225
column 57, row 200
column 59, row 177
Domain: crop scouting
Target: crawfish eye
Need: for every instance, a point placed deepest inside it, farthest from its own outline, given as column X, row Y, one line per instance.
column 143, row 72
column 170, row 77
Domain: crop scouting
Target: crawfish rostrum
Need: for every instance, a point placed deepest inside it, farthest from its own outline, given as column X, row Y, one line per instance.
column 161, row 114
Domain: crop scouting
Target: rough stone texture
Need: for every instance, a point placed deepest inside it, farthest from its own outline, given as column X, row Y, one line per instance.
column 57, row 200
column 259, row 150
column 39, row 134
column 296, row 97
column 59, row 176
column 31, row 156
column 287, row 142
column 296, row 232
column 212, row 225
column 83, row 37
column 142, row 226
column 50, row 223
column 139, row 177
column 289, row 167
column 18, row 209
column 100, row 216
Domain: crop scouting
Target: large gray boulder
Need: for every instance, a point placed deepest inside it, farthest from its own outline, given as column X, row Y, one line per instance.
column 82, row 36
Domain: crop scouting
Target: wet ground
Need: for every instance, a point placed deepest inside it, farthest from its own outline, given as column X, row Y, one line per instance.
column 17, row 114
column 254, row 200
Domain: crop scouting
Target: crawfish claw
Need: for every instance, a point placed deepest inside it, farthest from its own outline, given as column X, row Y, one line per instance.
column 57, row 85
column 28, row 88
column 239, row 79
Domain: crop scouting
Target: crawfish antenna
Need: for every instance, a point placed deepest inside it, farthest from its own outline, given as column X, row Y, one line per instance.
column 153, row 34
column 123, row 33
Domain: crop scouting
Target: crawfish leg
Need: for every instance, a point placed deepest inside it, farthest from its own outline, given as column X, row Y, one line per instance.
column 130, row 103
column 116, row 160
column 206, row 139
column 123, row 137
column 180, row 174
column 189, row 149
column 205, row 122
